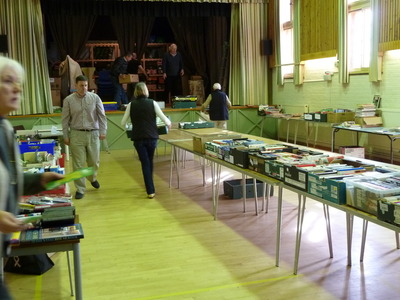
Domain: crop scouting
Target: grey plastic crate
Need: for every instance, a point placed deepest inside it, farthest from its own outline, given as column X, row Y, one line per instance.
column 233, row 188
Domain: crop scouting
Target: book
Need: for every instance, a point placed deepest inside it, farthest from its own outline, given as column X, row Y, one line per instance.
column 70, row 177
column 44, row 235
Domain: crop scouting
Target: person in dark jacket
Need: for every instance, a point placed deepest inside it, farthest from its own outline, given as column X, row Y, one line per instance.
column 219, row 105
column 13, row 181
column 172, row 66
column 134, row 67
column 120, row 66
column 142, row 113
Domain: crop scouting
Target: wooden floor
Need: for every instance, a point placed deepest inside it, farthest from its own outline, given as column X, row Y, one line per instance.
column 171, row 248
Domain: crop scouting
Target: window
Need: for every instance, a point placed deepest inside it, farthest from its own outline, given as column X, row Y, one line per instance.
column 359, row 35
column 286, row 37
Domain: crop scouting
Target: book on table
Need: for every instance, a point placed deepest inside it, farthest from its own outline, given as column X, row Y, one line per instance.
column 43, row 235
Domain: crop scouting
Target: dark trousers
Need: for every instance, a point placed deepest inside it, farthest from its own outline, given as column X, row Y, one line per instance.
column 130, row 91
column 173, row 85
column 4, row 294
column 145, row 149
column 119, row 93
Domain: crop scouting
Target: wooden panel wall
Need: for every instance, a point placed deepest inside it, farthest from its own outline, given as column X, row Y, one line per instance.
column 389, row 31
column 318, row 28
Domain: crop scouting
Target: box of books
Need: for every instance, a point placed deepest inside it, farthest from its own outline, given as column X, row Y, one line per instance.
column 320, row 117
column 364, row 194
column 389, row 209
column 274, row 169
column 200, row 139
column 328, row 185
column 257, row 162
column 297, row 176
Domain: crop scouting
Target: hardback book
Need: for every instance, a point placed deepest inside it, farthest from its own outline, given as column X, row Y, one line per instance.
column 43, row 235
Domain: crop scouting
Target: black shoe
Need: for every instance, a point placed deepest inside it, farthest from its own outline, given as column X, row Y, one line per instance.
column 79, row 195
column 96, row 184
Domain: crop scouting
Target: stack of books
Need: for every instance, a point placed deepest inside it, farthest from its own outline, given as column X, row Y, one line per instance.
column 366, row 110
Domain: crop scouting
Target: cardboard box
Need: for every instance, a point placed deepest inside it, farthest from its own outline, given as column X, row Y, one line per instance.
column 328, row 187
column 256, row 163
column 200, row 140
column 56, row 97
column 367, row 122
column 309, row 116
column 340, row 117
column 353, row 151
column 389, row 210
column 296, row 177
column 318, row 117
column 128, row 78
column 274, row 169
column 55, row 83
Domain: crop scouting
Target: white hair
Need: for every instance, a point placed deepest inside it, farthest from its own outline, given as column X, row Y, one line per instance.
column 6, row 62
column 216, row 86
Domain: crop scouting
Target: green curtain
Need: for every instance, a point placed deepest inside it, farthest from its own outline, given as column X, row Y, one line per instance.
column 375, row 73
column 344, row 76
column 22, row 23
column 248, row 65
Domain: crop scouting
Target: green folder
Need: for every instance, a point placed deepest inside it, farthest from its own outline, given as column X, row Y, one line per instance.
column 70, row 177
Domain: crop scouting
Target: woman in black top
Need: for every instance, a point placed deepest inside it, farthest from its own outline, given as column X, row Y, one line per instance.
column 142, row 113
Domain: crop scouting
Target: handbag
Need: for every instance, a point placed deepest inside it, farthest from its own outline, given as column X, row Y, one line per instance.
column 36, row 264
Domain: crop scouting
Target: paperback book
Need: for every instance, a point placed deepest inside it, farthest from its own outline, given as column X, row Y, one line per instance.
column 43, row 235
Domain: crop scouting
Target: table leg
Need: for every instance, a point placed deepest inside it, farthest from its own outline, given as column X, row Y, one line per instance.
column 77, row 272
column 300, row 219
column 349, row 224
column 363, row 239
column 171, row 164
column 328, row 229
column 255, row 195
column 203, row 169
column 70, row 274
column 216, row 178
column 278, row 227
column 244, row 195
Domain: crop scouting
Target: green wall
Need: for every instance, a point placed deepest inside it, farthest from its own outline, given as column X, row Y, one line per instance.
column 242, row 119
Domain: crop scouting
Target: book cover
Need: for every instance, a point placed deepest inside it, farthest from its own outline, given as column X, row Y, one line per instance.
column 43, row 235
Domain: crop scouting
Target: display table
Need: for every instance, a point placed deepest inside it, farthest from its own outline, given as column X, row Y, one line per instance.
column 186, row 144
column 392, row 135
column 57, row 246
